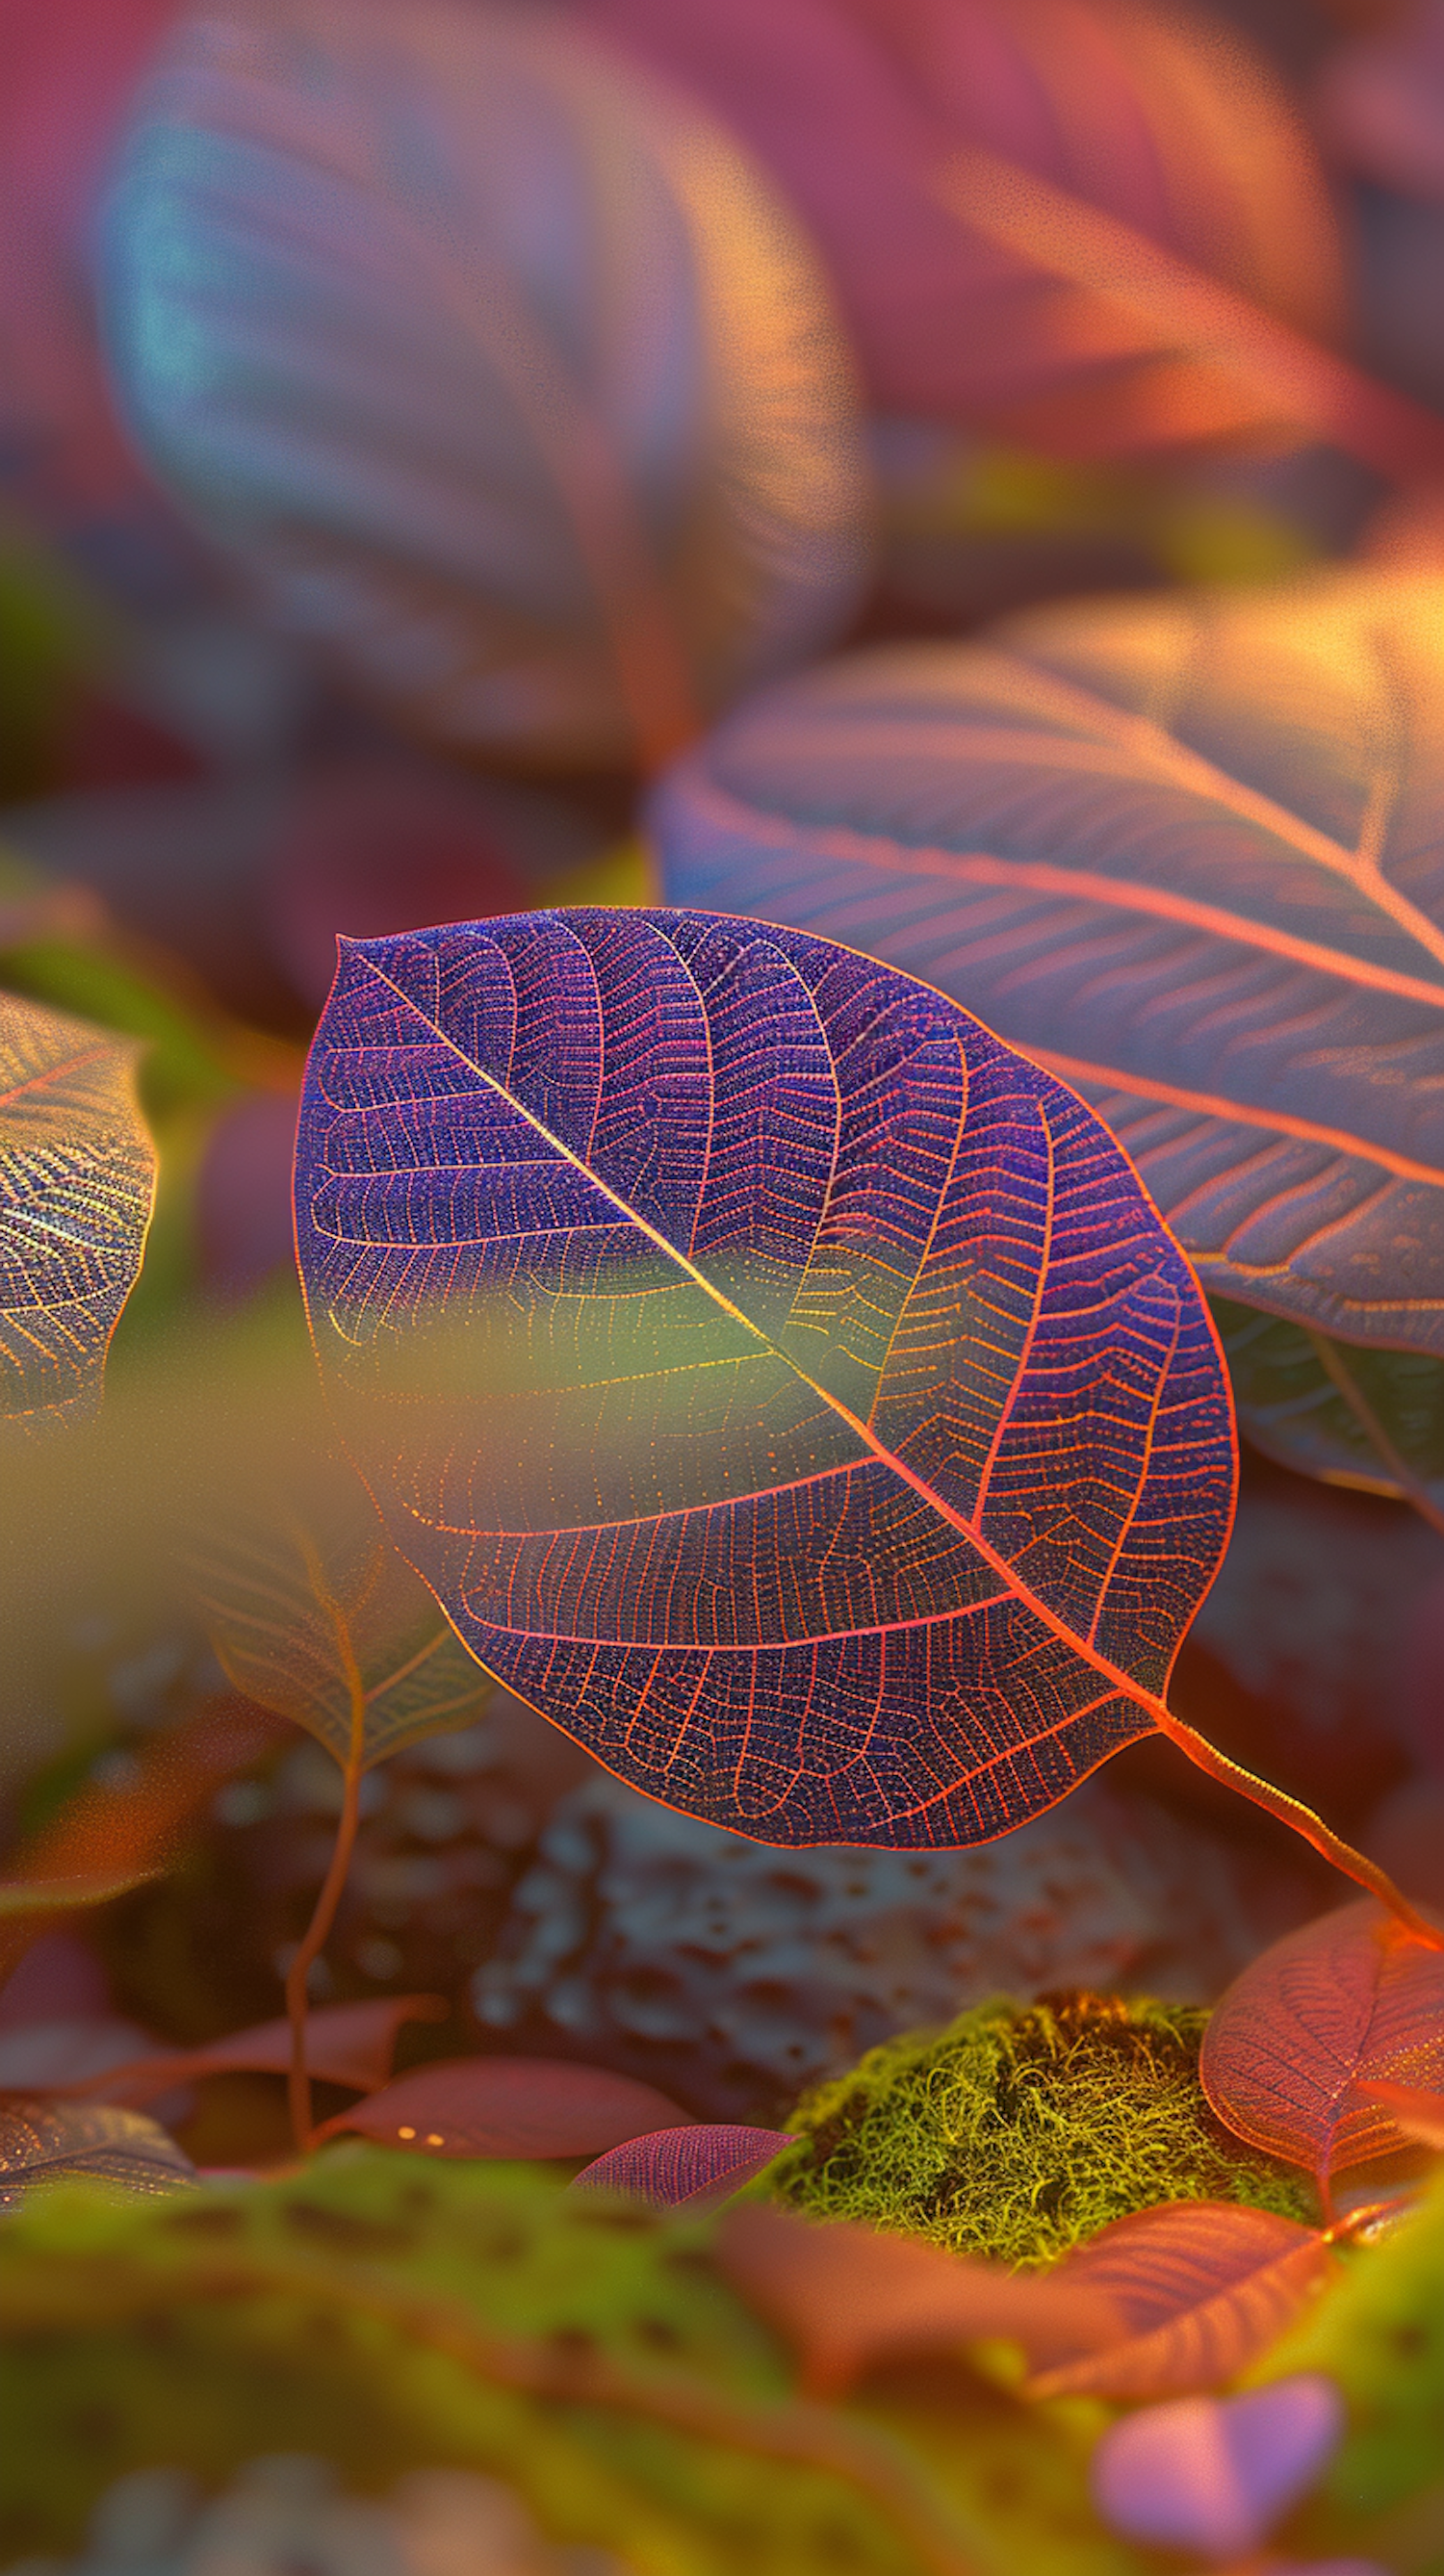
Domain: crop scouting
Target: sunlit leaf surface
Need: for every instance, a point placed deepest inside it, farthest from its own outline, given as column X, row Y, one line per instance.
column 77, row 1178
column 509, row 381
column 846, row 2297
column 1149, row 117
column 785, row 1386
column 1296, row 2050
column 1203, row 2286
column 53, row 2141
column 310, row 1607
column 1184, row 851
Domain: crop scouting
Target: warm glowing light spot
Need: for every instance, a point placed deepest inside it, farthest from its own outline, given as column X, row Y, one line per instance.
column 406, row 2133
column 436, row 2139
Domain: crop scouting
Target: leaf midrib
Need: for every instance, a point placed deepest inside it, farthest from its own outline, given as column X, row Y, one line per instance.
column 1123, row 1682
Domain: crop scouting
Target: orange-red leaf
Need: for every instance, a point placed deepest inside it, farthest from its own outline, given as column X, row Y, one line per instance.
column 1420, row 2115
column 114, row 1835
column 1203, row 2287
column 845, row 2297
column 1320, row 2017
column 345, row 2044
column 509, row 2106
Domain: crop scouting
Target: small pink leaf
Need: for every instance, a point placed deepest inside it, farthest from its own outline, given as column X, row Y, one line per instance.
column 1213, row 2474
column 1203, row 2286
column 1342, row 2003
column 846, row 2297
column 508, row 2106
column 1419, row 2115
column 684, row 2168
column 345, row 2044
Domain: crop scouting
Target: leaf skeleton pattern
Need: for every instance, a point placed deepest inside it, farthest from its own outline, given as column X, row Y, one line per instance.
column 1184, row 852
column 781, row 1383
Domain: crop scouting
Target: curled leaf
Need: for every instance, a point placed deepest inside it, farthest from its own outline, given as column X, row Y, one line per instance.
column 1203, row 2288
column 113, row 1836
column 783, row 1385
column 77, row 1182
column 860, row 106
column 1418, row 2115
column 345, row 2044
column 314, row 1614
column 685, row 2168
column 508, row 2106
column 846, row 2298
column 1211, row 2474
column 508, row 381
column 1085, row 825
column 1295, row 2048
column 45, row 2141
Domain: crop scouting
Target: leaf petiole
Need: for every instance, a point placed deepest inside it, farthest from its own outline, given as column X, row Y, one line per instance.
column 313, row 1940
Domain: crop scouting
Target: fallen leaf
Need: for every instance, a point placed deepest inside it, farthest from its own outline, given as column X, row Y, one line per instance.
column 1211, row 2474
column 508, row 2106
column 688, row 2168
column 1084, row 823
column 1148, row 118
column 1345, row 2002
column 45, row 2141
column 345, row 2044
column 1420, row 2116
column 847, row 2298
column 113, row 1837
column 80, row 1172
column 1203, row 2287
column 550, row 467
column 674, row 1392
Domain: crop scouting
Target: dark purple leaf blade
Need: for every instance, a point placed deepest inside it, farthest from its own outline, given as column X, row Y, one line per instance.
column 1296, row 2046
column 685, row 2168
column 1184, row 852
column 781, row 1384
column 508, row 2106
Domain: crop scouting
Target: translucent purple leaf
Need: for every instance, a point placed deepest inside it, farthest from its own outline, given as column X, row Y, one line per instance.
column 1214, row 2474
column 675, row 2168
column 782, row 1384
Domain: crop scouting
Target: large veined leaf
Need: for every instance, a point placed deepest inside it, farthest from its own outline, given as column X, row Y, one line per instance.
column 860, row 105
column 784, row 1386
column 1187, row 853
column 314, row 1614
column 506, row 377
column 77, row 1181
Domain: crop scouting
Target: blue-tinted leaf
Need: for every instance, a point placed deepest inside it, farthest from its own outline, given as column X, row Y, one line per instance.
column 1186, row 852
column 77, row 1178
column 783, row 1385
column 507, row 380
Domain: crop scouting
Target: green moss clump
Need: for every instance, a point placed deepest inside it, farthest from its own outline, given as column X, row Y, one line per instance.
column 1021, row 2129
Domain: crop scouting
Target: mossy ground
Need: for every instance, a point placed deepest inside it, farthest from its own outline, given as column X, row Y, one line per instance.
column 1021, row 2129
